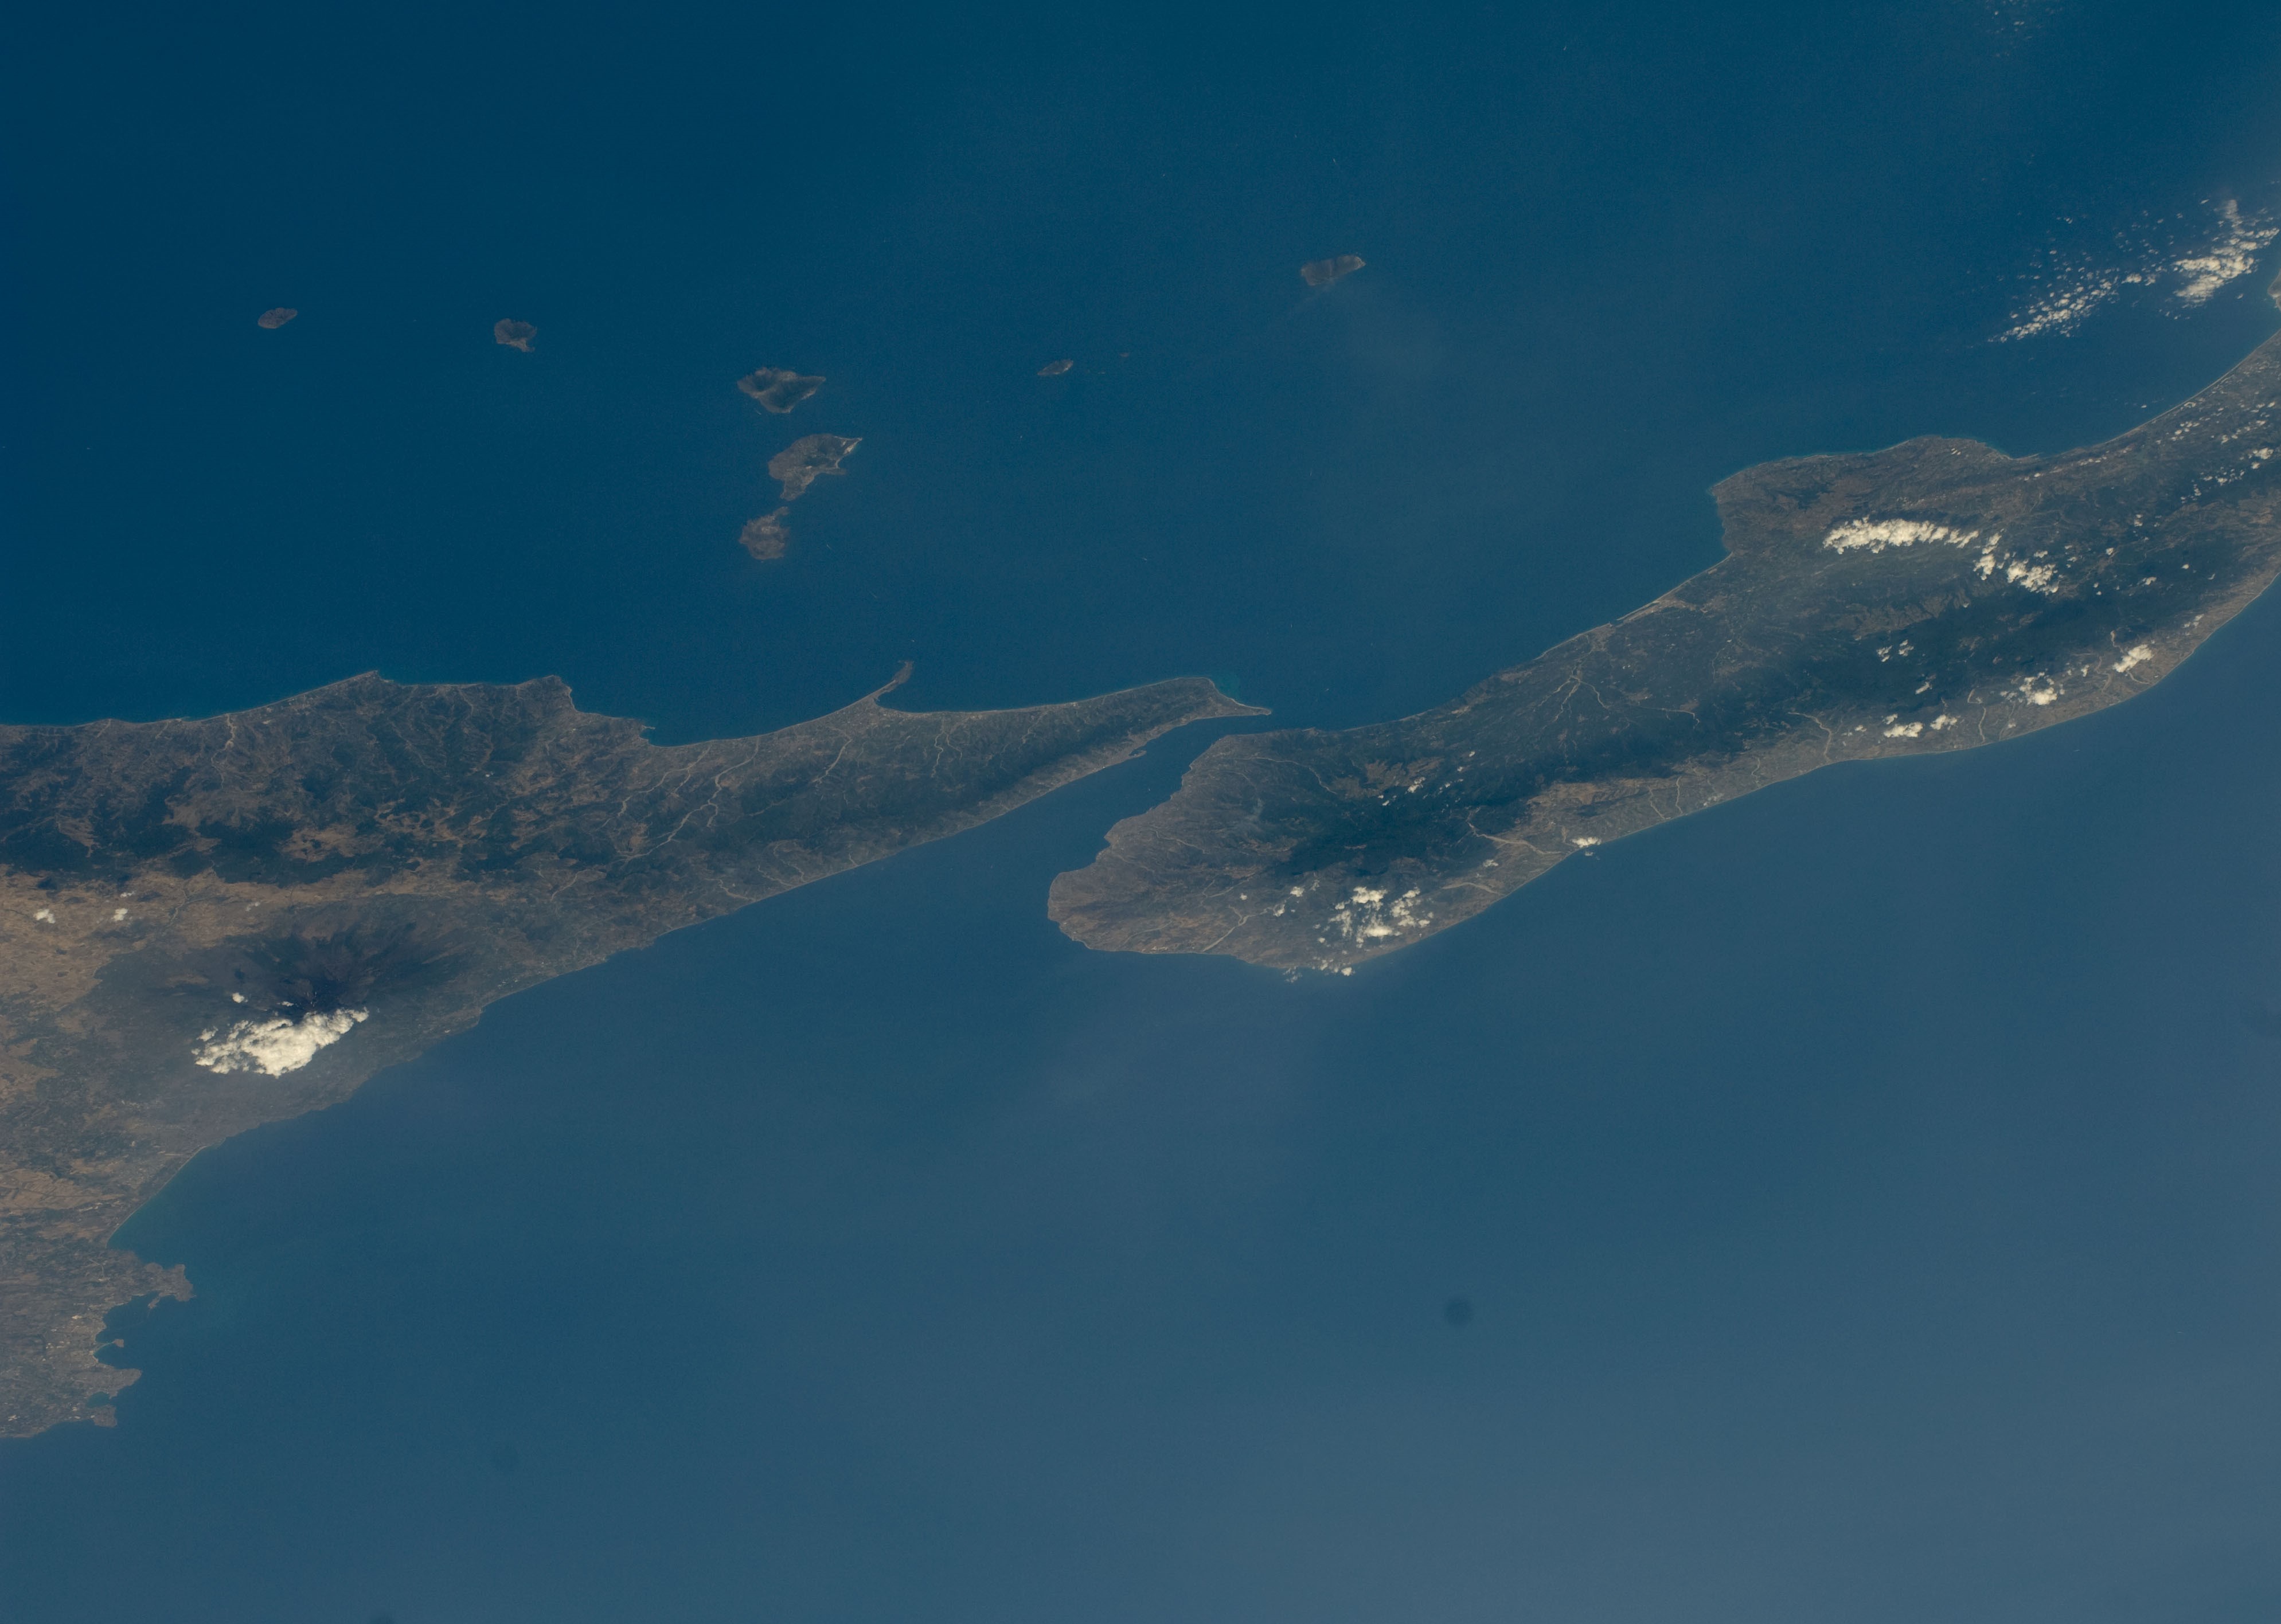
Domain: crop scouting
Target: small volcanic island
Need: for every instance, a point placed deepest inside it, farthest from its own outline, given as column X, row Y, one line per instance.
column 209, row 925
column 1323, row 273
column 274, row 319
column 778, row 389
column 806, row 459
column 767, row 536
column 795, row 469
column 515, row 334
column 1934, row 596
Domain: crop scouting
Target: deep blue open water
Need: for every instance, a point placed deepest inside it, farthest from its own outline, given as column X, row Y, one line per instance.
column 1854, row 1203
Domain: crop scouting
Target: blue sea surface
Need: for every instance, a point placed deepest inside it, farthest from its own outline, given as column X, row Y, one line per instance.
column 1853, row 1204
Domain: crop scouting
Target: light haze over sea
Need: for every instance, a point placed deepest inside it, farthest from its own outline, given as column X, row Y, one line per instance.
column 1855, row 1204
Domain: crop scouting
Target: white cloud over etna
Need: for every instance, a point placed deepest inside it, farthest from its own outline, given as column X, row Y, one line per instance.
column 275, row 1046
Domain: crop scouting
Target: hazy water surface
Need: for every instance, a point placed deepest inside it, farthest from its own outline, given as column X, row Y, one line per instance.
column 1853, row 1204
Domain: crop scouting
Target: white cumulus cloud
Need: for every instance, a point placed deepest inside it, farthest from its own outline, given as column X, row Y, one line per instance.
column 2230, row 256
column 2180, row 253
column 1877, row 534
column 275, row 1046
